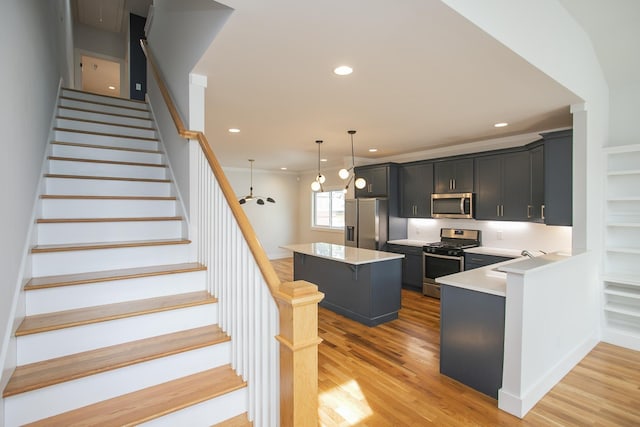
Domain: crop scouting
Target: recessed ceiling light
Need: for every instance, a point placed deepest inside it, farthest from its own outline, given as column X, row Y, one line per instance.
column 323, row 160
column 112, row 87
column 373, row 150
column 283, row 169
column 234, row 130
column 343, row 70
column 501, row 125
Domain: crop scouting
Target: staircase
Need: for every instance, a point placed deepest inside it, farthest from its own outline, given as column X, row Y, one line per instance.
column 119, row 327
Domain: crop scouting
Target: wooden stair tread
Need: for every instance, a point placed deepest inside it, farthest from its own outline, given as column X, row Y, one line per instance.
column 99, row 122
column 88, row 315
column 144, row 405
column 102, row 112
column 104, row 178
column 137, row 101
column 108, row 162
column 131, row 219
column 109, row 245
column 81, row 197
column 112, row 135
column 105, row 147
column 55, row 371
column 110, row 275
column 145, row 110
column 238, row 421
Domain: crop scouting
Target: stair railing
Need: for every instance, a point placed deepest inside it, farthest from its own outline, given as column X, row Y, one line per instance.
column 273, row 325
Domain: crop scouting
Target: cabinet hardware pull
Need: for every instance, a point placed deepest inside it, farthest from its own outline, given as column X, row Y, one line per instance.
column 501, row 210
column 529, row 211
column 542, row 212
column 497, row 210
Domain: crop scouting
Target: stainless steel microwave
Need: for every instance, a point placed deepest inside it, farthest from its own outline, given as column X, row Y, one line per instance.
column 452, row 205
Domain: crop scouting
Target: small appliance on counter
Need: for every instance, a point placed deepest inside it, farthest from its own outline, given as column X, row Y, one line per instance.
column 446, row 257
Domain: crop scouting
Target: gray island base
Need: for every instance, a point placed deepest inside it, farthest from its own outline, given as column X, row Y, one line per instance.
column 361, row 284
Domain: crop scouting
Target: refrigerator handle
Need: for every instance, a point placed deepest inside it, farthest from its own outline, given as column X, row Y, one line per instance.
column 350, row 233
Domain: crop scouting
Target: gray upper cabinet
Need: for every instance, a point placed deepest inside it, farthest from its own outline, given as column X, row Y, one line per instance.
column 454, row 176
column 558, row 182
column 378, row 179
column 503, row 186
column 416, row 186
column 536, row 201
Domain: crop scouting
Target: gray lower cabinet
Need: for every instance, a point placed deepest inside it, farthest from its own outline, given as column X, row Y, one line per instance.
column 472, row 260
column 368, row 293
column 472, row 338
column 411, row 265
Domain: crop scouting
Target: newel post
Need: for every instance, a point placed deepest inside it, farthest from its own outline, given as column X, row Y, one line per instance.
column 298, row 305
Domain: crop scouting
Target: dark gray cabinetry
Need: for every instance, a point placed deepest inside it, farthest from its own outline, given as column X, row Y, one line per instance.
column 536, row 196
column 382, row 180
column 472, row 261
column 503, row 186
column 558, row 172
column 472, row 338
column 411, row 265
column 416, row 186
column 454, row 176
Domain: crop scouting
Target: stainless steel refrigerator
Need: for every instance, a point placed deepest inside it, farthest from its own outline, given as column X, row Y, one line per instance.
column 366, row 223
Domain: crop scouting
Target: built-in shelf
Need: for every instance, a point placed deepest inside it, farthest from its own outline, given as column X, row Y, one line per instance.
column 621, row 282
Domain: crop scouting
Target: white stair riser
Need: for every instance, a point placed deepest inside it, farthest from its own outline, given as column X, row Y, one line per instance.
column 207, row 413
column 105, row 128
column 106, row 208
column 103, row 117
column 106, row 140
column 75, row 103
column 115, row 231
column 105, row 154
column 70, row 262
column 97, row 187
column 91, row 97
column 63, row 397
column 92, row 294
column 65, row 167
column 62, row 342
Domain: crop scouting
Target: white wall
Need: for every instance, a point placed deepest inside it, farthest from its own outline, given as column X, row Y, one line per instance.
column 625, row 110
column 30, row 77
column 104, row 42
column 275, row 224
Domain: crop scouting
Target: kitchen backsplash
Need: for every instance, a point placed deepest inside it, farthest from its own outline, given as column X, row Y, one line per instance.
column 497, row 234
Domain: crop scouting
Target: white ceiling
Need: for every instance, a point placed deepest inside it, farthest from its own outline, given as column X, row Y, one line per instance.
column 108, row 15
column 423, row 77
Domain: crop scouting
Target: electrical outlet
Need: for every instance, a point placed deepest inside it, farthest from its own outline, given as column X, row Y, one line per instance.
column 499, row 234
column 138, row 86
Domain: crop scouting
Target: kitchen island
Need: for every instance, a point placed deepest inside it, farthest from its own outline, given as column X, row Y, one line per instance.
column 361, row 284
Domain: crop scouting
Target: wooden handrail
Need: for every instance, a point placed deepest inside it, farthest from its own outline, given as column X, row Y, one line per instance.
column 267, row 270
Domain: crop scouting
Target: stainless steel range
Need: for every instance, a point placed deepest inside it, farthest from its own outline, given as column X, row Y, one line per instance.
column 446, row 257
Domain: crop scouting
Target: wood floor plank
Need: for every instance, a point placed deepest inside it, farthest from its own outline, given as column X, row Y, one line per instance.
column 55, row 371
column 144, row 405
column 239, row 421
column 84, row 316
column 110, row 275
column 111, row 245
column 389, row 375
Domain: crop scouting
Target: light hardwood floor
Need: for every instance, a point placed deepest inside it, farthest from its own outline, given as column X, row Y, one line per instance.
column 389, row 376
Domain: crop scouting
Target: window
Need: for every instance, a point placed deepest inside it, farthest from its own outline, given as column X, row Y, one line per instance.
column 328, row 209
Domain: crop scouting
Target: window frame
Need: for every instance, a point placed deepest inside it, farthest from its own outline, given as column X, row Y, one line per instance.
column 330, row 228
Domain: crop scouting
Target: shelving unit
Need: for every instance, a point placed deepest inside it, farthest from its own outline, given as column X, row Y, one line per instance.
column 622, row 241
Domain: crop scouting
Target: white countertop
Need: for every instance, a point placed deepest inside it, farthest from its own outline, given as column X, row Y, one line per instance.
column 492, row 279
column 408, row 242
column 346, row 254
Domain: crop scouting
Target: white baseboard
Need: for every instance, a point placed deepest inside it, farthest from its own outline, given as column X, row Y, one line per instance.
column 621, row 339
column 520, row 405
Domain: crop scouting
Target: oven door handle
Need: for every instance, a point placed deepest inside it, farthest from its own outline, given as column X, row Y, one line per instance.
column 457, row 258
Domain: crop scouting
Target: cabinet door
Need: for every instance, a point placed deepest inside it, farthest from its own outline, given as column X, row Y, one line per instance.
column 488, row 187
column 558, row 180
column 516, row 186
column 416, row 186
column 444, row 172
column 463, row 176
column 412, row 273
column 536, row 158
column 376, row 178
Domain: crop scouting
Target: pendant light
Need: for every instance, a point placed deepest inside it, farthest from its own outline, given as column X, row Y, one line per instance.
column 259, row 199
column 346, row 173
column 316, row 185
